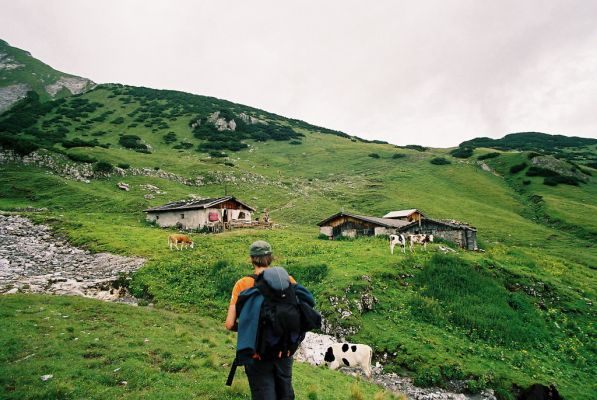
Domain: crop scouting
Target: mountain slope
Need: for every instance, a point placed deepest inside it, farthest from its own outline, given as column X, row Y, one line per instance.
column 520, row 312
column 20, row 73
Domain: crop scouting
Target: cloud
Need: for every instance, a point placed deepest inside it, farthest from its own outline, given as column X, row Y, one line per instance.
column 433, row 72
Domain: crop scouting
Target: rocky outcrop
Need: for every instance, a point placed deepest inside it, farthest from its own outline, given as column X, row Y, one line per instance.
column 248, row 119
column 33, row 260
column 220, row 123
column 11, row 94
column 8, row 63
column 74, row 84
column 559, row 166
column 56, row 163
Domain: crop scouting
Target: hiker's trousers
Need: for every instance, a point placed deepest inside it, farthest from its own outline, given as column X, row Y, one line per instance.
column 271, row 380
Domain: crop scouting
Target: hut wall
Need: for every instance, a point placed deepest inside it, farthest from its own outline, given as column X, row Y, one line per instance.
column 193, row 219
column 451, row 234
column 380, row 230
column 326, row 230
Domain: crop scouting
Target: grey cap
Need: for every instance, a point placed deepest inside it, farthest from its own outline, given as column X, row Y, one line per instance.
column 260, row 248
column 277, row 278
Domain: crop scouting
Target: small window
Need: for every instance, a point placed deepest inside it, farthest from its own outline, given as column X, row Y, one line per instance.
column 181, row 216
column 241, row 215
column 157, row 217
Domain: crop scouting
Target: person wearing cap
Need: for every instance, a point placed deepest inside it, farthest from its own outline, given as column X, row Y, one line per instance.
column 268, row 380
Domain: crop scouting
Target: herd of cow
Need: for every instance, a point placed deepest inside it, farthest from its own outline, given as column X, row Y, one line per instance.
column 401, row 240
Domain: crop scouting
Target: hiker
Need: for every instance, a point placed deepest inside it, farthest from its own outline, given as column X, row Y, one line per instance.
column 273, row 315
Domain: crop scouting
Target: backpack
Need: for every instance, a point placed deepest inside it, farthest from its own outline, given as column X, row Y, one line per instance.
column 286, row 314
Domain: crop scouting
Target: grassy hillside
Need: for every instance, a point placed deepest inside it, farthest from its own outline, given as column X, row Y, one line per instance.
column 98, row 351
column 21, row 68
column 520, row 312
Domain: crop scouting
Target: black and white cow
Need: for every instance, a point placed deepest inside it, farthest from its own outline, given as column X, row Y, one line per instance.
column 349, row 355
column 397, row 239
column 419, row 239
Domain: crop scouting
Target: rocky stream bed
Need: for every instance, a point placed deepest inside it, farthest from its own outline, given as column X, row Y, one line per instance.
column 34, row 260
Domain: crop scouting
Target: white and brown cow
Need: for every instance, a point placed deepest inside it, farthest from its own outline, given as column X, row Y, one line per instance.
column 349, row 355
column 184, row 240
column 397, row 239
column 422, row 239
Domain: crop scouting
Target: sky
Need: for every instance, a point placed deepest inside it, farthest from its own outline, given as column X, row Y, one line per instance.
column 433, row 73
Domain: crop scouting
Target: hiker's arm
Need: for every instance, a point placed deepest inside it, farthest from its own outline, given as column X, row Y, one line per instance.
column 231, row 318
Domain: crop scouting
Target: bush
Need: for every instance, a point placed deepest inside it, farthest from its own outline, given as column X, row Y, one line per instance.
column 20, row 145
column 132, row 142
column 68, row 144
column 396, row 156
column 117, row 121
column 538, row 171
column 373, row 155
column 414, row 147
column 103, row 167
column 518, row 167
column 123, row 165
column 526, row 182
column 183, row 145
column 488, row 156
column 296, row 142
column 440, row 161
column 566, row 180
column 81, row 158
column 170, row 137
column 462, row 152
column 217, row 154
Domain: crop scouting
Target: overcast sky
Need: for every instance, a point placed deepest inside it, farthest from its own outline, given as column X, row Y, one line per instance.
column 427, row 72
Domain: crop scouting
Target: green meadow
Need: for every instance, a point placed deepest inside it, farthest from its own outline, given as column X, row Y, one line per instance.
column 520, row 312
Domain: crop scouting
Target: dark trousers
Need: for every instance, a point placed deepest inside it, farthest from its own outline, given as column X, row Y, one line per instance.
column 271, row 380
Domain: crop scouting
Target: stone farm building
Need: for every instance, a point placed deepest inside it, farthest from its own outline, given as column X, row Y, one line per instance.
column 197, row 214
column 405, row 221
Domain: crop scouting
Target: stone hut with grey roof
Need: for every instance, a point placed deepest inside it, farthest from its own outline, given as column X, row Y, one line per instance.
column 405, row 222
column 198, row 214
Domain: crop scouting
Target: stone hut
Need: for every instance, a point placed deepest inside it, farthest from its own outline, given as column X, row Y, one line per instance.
column 197, row 214
column 352, row 225
column 405, row 215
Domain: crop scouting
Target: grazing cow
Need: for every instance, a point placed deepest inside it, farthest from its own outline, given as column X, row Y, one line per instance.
column 419, row 239
column 349, row 355
column 184, row 240
column 397, row 239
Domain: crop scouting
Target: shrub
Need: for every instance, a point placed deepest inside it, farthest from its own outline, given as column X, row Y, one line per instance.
column 183, row 145
column 414, row 147
column 526, row 182
column 117, row 121
column 533, row 154
column 20, row 145
column 440, row 161
column 217, row 154
column 566, row 180
column 68, row 144
column 132, row 142
column 230, row 164
column 373, row 155
column 103, row 167
column 488, row 156
column 539, row 171
column 462, row 152
column 81, row 158
column 396, row 156
column 518, row 167
column 170, row 137
column 428, row 377
column 295, row 142
column 123, row 165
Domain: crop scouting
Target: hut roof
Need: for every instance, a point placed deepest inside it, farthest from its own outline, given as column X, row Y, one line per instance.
column 385, row 222
column 196, row 204
column 402, row 213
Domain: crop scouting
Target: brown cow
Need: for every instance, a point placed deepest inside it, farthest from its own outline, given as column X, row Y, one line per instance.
column 419, row 239
column 184, row 240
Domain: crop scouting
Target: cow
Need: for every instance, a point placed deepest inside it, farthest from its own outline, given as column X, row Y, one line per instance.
column 397, row 239
column 349, row 355
column 184, row 240
column 419, row 239
column 540, row 392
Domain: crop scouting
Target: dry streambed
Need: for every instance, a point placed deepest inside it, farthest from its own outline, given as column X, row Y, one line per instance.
column 34, row 260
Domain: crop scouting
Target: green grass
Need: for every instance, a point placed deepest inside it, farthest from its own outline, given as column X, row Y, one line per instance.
column 522, row 312
column 92, row 348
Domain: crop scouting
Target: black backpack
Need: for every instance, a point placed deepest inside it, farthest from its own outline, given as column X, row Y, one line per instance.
column 283, row 321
